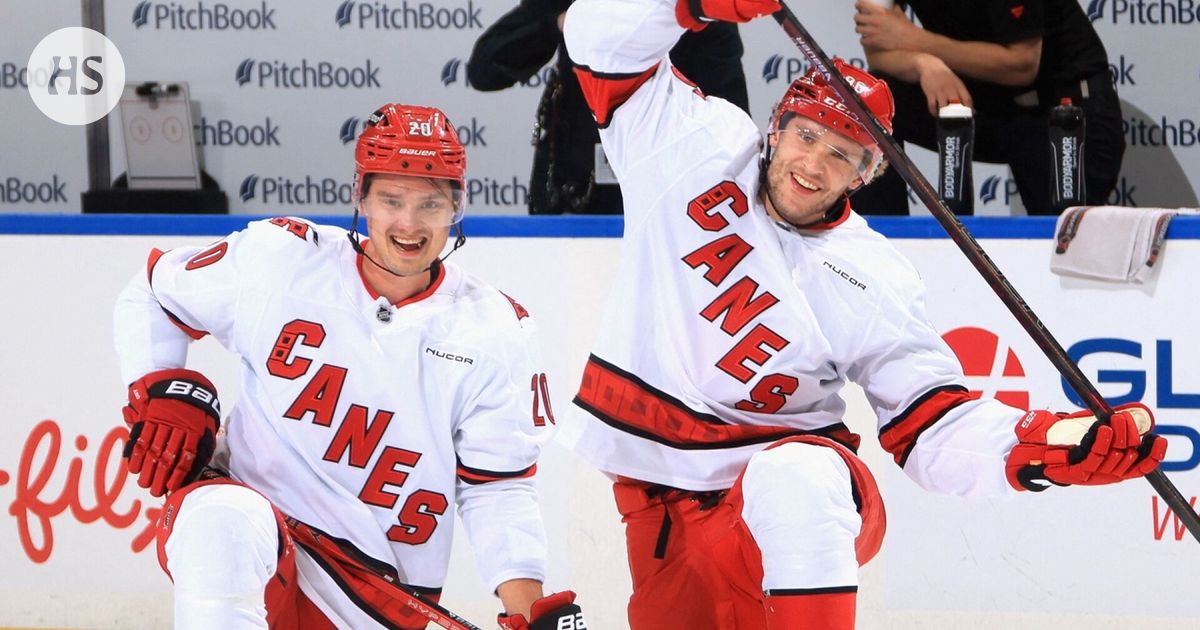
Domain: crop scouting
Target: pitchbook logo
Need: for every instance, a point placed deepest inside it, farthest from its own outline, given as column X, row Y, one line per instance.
column 451, row 68
column 249, row 187
column 200, row 17
column 1146, row 11
column 408, row 16
column 228, row 133
column 991, row 367
column 348, row 132
column 307, row 74
column 285, row 191
column 791, row 68
column 450, row 71
column 14, row 190
column 987, row 192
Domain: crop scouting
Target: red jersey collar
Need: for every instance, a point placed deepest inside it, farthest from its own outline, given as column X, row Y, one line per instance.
column 439, row 274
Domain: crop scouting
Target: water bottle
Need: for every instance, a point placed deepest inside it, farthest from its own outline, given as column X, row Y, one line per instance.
column 1066, row 154
column 955, row 137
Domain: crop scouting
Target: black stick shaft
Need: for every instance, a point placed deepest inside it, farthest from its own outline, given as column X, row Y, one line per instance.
column 975, row 253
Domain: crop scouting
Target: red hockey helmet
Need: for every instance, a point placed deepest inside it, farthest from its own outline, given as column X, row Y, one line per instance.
column 411, row 140
column 813, row 97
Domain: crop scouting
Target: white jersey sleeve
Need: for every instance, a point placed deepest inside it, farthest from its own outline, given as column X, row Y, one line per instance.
column 189, row 292
column 505, row 423
column 656, row 126
column 945, row 439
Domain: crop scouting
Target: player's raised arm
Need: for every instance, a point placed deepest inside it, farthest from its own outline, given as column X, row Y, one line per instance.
column 655, row 123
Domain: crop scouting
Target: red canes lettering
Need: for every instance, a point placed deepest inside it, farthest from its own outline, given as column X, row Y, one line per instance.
column 418, row 518
column 739, row 306
column 385, row 473
column 704, row 209
column 296, row 331
column 720, row 256
column 357, row 436
column 750, row 348
column 320, row 395
column 770, row 394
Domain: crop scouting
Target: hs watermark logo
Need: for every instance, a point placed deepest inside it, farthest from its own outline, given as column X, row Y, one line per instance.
column 83, row 72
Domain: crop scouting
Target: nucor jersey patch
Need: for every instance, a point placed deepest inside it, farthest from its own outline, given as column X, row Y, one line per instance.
column 449, row 357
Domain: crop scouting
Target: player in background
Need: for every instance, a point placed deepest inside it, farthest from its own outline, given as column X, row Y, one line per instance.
column 381, row 385
column 749, row 293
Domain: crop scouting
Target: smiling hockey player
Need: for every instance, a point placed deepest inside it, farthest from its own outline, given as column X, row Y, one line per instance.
column 748, row 295
column 381, row 386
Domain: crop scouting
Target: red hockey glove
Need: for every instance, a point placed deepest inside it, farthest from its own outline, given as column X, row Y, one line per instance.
column 552, row 612
column 696, row 14
column 1070, row 449
column 173, row 417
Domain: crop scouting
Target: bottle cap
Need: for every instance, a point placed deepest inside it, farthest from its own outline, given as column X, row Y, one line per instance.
column 954, row 110
column 1066, row 100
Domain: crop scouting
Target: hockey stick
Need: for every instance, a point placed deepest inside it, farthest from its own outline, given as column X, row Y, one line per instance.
column 436, row 614
column 974, row 253
column 309, row 538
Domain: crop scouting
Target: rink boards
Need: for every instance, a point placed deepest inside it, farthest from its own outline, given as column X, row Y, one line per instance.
column 75, row 546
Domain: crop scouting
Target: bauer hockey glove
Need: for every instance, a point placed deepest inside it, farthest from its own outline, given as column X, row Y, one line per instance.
column 696, row 14
column 173, row 418
column 552, row 612
column 1078, row 449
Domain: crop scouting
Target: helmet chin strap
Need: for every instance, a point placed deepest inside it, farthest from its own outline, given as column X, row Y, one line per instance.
column 459, row 240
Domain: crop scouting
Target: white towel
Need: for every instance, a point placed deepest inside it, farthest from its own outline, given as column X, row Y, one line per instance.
column 1111, row 242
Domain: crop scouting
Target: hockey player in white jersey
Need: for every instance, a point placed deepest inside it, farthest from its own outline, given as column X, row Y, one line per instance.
column 748, row 294
column 381, row 386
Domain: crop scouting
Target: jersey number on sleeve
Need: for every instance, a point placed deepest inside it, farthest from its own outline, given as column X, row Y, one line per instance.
column 541, row 398
column 207, row 257
column 299, row 229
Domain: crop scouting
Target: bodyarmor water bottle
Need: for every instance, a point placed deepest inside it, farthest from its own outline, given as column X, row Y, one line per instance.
column 955, row 136
column 1066, row 149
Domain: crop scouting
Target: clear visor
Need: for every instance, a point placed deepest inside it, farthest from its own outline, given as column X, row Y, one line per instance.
column 834, row 150
column 432, row 203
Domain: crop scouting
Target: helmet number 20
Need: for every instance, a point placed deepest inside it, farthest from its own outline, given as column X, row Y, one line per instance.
column 420, row 128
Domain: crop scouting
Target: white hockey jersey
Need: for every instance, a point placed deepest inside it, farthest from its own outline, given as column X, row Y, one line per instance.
column 364, row 419
column 726, row 330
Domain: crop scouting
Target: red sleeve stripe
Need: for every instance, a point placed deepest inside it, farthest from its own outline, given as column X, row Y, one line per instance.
column 477, row 475
column 191, row 332
column 625, row 402
column 606, row 91
column 155, row 255
column 900, row 435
